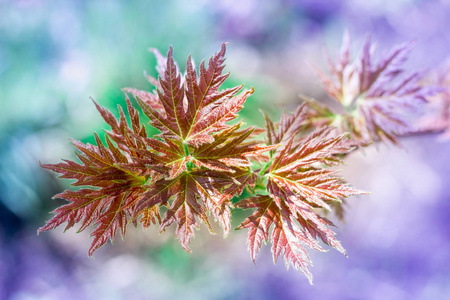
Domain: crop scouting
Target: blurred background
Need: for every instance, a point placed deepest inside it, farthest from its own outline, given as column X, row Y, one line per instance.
column 55, row 55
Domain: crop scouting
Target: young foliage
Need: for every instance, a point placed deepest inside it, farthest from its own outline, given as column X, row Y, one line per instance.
column 377, row 98
column 115, row 177
column 198, row 162
column 194, row 166
column 298, row 186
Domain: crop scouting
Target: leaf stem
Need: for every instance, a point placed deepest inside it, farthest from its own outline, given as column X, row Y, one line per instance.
column 265, row 168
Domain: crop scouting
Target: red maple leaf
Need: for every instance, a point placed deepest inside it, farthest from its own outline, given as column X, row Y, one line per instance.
column 194, row 166
column 298, row 186
column 198, row 162
column 376, row 95
column 113, row 183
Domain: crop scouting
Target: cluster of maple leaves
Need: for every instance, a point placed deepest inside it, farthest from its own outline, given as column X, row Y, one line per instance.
column 199, row 162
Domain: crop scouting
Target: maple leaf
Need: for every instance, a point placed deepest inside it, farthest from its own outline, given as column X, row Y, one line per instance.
column 114, row 185
column 377, row 97
column 205, row 160
column 198, row 163
column 213, row 172
column 298, row 186
column 194, row 166
column 194, row 108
